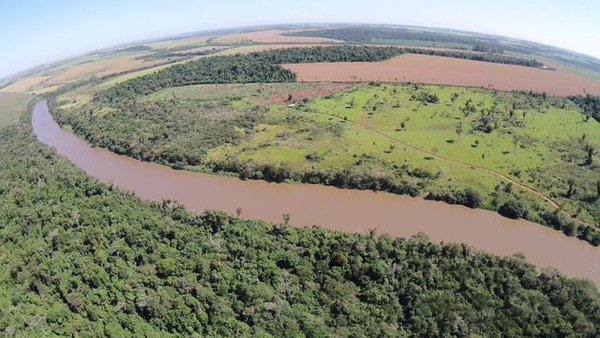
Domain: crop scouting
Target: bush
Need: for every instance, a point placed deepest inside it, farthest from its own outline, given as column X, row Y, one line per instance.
column 467, row 197
column 512, row 209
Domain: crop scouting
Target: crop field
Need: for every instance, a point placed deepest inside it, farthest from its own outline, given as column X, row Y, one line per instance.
column 439, row 70
column 269, row 36
column 11, row 105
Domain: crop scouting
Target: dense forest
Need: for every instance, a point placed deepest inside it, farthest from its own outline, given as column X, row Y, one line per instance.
column 258, row 67
column 82, row 258
column 174, row 132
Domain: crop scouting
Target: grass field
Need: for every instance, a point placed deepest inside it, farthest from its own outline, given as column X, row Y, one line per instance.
column 535, row 144
column 11, row 105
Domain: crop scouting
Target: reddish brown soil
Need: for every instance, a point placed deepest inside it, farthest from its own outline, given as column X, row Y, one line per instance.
column 443, row 70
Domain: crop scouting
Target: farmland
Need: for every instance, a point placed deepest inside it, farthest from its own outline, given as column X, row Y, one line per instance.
column 438, row 70
column 270, row 36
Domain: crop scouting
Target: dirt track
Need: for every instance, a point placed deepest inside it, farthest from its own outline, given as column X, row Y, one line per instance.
column 443, row 70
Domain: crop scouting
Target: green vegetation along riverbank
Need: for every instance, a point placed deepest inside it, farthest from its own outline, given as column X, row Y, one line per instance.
column 83, row 258
column 510, row 152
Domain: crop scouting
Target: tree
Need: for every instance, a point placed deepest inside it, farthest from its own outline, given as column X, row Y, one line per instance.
column 459, row 129
column 512, row 209
column 453, row 97
column 286, row 218
column 590, row 154
column 571, row 191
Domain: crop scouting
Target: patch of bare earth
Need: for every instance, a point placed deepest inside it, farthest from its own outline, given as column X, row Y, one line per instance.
column 443, row 70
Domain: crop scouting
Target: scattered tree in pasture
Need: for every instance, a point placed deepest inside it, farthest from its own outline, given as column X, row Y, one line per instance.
column 590, row 154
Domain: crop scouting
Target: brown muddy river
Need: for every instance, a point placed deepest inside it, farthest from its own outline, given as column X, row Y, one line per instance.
column 338, row 209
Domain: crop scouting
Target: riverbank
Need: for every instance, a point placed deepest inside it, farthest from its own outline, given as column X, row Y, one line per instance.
column 338, row 209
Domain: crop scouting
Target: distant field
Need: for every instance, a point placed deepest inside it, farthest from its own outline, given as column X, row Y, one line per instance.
column 24, row 84
column 401, row 42
column 270, row 36
column 201, row 49
column 101, row 68
column 260, row 48
column 439, row 70
column 138, row 73
column 10, row 107
column 196, row 40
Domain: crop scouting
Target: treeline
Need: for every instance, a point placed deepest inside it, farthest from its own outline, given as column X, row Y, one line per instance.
column 328, row 54
column 488, row 49
column 210, row 70
column 350, row 177
column 369, row 35
column 495, row 58
column 81, row 258
column 258, row 67
column 590, row 104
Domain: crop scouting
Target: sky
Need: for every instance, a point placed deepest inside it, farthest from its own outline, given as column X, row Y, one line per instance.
column 36, row 31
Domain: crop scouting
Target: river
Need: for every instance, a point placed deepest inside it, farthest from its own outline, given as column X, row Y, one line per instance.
column 337, row 209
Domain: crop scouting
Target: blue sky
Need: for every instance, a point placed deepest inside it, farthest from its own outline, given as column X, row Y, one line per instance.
column 35, row 31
